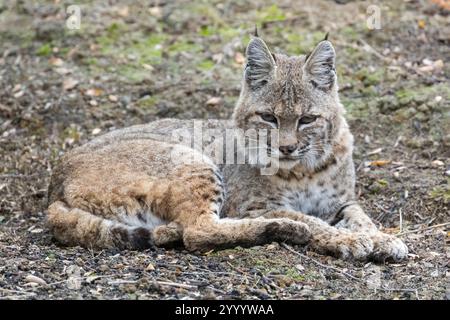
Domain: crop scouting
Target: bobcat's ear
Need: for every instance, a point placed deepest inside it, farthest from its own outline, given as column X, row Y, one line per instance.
column 260, row 64
column 319, row 67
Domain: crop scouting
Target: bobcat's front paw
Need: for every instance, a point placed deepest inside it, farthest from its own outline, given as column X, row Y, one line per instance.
column 355, row 246
column 388, row 247
column 290, row 231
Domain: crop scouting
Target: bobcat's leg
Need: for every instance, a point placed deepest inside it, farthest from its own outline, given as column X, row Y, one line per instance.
column 73, row 226
column 386, row 247
column 192, row 198
column 330, row 240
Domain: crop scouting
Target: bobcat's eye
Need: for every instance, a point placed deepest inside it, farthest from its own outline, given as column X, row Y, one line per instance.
column 268, row 117
column 306, row 120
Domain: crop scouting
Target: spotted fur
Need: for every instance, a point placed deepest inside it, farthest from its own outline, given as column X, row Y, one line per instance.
column 124, row 190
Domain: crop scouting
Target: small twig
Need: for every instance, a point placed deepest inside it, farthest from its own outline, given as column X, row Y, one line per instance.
column 175, row 284
column 424, row 229
column 369, row 48
column 347, row 274
column 17, row 291
column 404, row 290
column 321, row 264
column 114, row 282
column 401, row 219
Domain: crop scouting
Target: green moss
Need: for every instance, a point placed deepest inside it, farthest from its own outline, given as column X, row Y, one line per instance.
column 441, row 193
column 298, row 43
column 183, row 45
column 206, row 65
column 350, row 33
column 147, row 102
column 272, row 13
column 71, row 133
column 44, row 50
column 295, row 275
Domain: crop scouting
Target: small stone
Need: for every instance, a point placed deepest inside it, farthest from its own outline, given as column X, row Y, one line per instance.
column 96, row 131
column 213, row 101
column 437, row 163
column 299, row 267
column 69, row 83
column 155, row 11
column 150, row 267
column 113, row 98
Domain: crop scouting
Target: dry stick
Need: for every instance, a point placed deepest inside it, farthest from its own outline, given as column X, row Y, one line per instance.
column 345, row 273
column 401, row 219
column 270, row 281
column 373, row 51
column 424, row 229
column 321, row 264
column 174, row 284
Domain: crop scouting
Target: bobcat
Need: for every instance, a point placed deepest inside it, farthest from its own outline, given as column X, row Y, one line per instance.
column 124, row 190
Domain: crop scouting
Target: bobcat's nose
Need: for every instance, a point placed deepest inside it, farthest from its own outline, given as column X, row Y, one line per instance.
column 286, row 150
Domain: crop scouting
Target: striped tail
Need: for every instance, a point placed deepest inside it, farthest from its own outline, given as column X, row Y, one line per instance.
column 73, row 226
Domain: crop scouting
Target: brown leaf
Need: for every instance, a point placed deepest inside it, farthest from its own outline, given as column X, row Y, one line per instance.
column 94, row 92
column 213, row 101
column 113, row 98
column 239, row 58
column 379, row 163
column 33, row 279
column 69, row 83
column 57, row 62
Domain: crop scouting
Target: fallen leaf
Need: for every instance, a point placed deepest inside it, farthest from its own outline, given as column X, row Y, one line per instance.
column 375, row 151
column 69, row 83
column 433, row 66
column 207, row 253
column 155, row 11
column 18, row 94
column 123, row 11
column 213, row 101
column 62, row 71
column 379, row 163
column 421, row 23
column 437, row 163
column 239, row 58
column 95, row 92
column 113, row 98
column 148, row 67
column 33, row 279
column 92, row 278
column 299, row 267
column 57, row 62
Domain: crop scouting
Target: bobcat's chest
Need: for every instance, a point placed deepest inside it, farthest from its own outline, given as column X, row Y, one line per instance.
column 312, row 199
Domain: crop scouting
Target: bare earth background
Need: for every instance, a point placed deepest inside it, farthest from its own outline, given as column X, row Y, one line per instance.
column 137, row 61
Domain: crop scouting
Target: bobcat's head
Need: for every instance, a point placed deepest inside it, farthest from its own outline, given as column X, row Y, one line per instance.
column 298, row 97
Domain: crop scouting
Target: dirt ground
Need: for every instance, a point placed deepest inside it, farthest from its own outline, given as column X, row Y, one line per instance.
column 133, row 62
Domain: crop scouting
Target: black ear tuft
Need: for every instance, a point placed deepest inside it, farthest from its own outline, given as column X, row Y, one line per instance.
column 260, row 64
column 256, row 31
column 326, row 36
